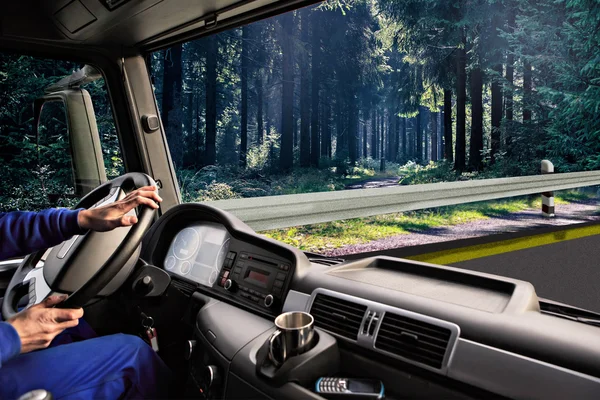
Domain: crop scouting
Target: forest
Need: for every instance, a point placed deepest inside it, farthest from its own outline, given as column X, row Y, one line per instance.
column 427, row 90
column 475, row 88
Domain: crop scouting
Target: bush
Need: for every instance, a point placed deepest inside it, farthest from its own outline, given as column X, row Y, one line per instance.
column 413, row 173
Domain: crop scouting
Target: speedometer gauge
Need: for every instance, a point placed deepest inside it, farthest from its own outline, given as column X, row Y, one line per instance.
column 198, row 252
column 186, row 243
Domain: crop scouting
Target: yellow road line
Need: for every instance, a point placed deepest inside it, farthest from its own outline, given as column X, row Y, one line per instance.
column 448, row 257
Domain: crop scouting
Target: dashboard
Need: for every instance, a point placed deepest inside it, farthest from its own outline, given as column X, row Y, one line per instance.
column 199, row 252
column 207, row 251
column 481, row 330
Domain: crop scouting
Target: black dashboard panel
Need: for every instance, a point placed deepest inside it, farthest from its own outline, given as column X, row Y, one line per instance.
column 495, row 321
column 217, row 254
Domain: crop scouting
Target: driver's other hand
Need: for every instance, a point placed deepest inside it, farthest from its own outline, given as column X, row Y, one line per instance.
column 113, row 215
column 41, row 323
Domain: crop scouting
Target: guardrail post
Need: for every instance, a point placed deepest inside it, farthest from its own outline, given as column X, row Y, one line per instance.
column 547, row 197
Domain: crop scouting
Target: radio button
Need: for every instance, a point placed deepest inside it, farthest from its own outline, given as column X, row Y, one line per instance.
column 244, row 256
column 231, row 255
column 230, row 285
column 244, row 288
column 277, row 291
column 281, row 276
column 278, row 284
column 268, row 301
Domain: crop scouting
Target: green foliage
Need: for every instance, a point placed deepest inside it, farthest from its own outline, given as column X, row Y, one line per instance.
column 37, row 171
column 412, row 173
column 336, row 234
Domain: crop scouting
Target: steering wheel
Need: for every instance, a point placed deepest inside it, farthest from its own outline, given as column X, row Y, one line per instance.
column 84, row 265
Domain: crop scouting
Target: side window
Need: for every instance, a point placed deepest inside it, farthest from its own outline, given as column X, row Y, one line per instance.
column 38, row 171
column 55, row 170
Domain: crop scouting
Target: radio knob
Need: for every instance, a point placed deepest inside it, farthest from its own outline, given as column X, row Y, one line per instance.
column 230, row 285
column 268, row 300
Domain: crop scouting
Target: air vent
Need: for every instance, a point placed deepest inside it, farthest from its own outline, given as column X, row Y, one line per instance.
column 184, row 287
column 412, row 339
column 338, row 316
column 327, row 261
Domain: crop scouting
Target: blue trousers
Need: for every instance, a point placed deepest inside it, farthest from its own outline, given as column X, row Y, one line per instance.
column 78, row 367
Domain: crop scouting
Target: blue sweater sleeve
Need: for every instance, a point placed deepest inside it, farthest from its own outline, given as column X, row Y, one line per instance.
column 24, row 232
column 10, row 342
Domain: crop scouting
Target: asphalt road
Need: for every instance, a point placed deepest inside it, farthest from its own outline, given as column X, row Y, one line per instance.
column 567, row 272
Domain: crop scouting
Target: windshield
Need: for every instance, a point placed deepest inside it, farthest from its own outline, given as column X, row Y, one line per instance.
column 382, row 94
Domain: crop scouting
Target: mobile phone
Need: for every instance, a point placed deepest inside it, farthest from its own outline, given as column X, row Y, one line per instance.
column 350, row 388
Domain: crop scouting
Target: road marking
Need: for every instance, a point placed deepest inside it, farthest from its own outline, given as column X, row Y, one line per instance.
column 452, row 256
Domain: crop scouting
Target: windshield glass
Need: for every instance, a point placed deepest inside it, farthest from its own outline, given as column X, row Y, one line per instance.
column 381, row 94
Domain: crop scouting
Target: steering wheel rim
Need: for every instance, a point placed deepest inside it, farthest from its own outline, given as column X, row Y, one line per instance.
column 113, row 264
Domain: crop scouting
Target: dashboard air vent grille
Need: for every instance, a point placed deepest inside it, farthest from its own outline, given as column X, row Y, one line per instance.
column 337, row 316
column 184, row 287
column 327, row 261
column 413, row 339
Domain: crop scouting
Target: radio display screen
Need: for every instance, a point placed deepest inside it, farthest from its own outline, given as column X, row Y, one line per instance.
column 258, row 277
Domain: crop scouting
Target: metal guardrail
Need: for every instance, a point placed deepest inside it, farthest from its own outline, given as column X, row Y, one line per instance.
column 274, row 212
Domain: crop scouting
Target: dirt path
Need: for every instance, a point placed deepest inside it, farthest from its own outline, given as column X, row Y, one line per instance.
column 375, row 183
column 577, row 212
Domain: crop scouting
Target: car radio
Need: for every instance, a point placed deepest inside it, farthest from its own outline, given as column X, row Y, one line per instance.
column 255, row 278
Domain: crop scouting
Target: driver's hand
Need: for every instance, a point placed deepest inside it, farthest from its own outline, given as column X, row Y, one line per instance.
column 111, row 216
column 41, row 323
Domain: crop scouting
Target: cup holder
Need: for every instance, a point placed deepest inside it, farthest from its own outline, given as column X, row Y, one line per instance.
column 320, row 358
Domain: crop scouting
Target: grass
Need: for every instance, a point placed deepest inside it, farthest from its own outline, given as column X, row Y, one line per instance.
column 331, row 235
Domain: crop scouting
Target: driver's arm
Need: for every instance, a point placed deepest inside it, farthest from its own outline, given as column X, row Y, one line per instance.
column 23, row 233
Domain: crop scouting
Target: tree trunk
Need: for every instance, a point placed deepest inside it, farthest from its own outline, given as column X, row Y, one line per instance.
column 461, row 97
column 365, row 138
column 404, row 140
column 419, row 138
column 352, row 128
column 304, row 91
column 392, row 135
column 496, row 106
column 382, row 134
column 259, row 109
column 434, row 136
column 171, row 103
column 376, row 138
column 427, row 117
column 244, row 111
column 496, row 113
column 448, row 125
column 510, row 68
column 339, row 123
column 327, row 126
column 211, row 100
column 316, row 81
column 476, row 146
column 286, row 158
column 324, row 126
column 527, row 85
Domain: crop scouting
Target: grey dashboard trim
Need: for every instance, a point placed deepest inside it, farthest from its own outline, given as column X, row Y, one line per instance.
column 517, row 376
column 368, row 341
column 296, row 301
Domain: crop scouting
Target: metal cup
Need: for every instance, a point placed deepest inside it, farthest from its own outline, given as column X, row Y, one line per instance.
column 295, row 331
